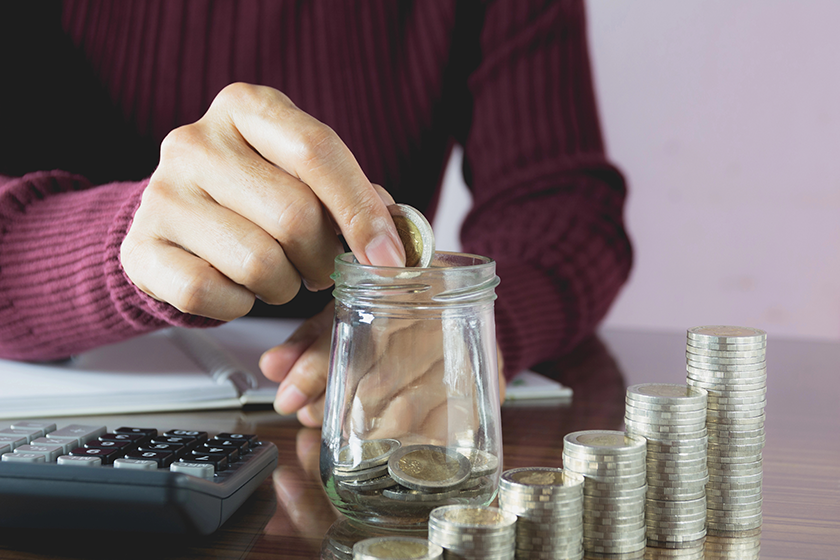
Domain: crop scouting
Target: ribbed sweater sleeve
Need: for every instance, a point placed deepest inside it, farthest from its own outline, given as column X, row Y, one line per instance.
column 62, row 289
column 547, row 205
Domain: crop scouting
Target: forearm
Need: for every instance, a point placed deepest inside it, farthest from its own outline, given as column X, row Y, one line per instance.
column 62, row 289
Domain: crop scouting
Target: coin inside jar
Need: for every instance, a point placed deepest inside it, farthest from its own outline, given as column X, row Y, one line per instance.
column 416, row 235
column 429, row 468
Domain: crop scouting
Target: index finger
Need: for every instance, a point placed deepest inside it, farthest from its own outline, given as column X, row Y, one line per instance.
column 311, row 151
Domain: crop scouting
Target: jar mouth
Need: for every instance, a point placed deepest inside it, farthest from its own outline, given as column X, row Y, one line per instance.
column 441, row 260
column 454, row 279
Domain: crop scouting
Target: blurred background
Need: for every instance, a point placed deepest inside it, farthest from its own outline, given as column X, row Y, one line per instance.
column 724, row 116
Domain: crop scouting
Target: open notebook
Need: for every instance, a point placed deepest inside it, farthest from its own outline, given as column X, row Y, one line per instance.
column 173, row 369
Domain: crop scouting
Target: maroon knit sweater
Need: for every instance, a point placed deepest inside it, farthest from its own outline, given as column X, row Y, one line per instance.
column 90, row 88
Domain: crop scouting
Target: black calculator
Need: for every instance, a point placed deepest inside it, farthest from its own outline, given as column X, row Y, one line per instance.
column 126, row 479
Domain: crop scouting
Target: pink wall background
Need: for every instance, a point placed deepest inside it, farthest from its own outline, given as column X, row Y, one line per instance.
column 725, row 117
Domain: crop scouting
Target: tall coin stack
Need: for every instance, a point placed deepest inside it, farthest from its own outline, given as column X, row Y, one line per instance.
column 473, row 532
column 672, row 418
column 549, row 505
column 613, row 464
column 729, row 362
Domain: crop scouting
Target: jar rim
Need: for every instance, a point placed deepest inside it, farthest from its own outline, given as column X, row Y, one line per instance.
column 451, row 259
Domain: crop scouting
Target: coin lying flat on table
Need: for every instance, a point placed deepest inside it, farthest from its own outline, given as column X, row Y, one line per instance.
column 415, row 233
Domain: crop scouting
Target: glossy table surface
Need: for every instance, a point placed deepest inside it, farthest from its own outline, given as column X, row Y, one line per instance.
column 289, row 516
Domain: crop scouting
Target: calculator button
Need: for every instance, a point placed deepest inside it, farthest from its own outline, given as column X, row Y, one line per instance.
column 201, row 470
column 242, row 446
column 46, row 427
column 211, row 447
column 75, row 461
column 119, row 445
column 145, row 433
column 200, row 436
column 249, row 439
column 13, row 440
column 5, row 448
column 24, row 458
column 106, row 455
column 174, row 448
column 83, row 433
column 187, row 442
column 218, row 460
column 50, row 452
column 27, row 433
column 135, row 464
column 162, row 458
column 66, row 446
column 134, row 439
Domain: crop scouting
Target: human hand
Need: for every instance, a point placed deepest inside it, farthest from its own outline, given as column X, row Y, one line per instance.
column 301, row 366
column 246, row 202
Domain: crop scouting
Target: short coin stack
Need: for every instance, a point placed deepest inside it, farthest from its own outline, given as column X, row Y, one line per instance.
column 473, row 532
column 388, row 548
column 549, row 505
column 672, row 418
column 614, row 491
column 729, row 362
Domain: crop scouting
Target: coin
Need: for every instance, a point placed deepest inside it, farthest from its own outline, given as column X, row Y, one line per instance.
column 415, row 233
column 396, row 548
column 728, row 334
column 365, row 454
column 429, row 468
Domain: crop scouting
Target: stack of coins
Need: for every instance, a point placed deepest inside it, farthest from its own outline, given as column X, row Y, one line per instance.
column 614, row 491
column 396, row 547
column 729, row 362
column 473, row 532
column 548, row 503
column 672, row 418
column 363, row 466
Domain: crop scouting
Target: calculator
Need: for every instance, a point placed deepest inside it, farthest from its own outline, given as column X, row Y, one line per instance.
column 126, row 479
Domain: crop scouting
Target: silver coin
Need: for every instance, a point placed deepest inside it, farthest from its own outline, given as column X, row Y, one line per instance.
column 606, row 442
column 692, row 345
column 727, row 374
column 733, row 353
column 666, row 393
column 365, row 454
column 403, row 494
column 416, row 235
column 715, row 361
column 429, row 468
column 368, row 485
column 361, row 474
column 396, row 548
column 727, row 333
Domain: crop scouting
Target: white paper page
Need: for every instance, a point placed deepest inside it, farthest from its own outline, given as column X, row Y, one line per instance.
column 144, row 373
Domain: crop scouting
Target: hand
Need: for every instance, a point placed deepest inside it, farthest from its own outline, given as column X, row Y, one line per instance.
column 301, row 365
column 246, row 203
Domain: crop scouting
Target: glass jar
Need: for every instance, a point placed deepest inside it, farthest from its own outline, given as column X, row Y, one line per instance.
column 412, row 417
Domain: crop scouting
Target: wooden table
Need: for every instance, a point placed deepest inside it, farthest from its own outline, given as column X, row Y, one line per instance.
column 290, row 517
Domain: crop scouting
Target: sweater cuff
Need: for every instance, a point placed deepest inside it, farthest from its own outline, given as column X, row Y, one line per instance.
column 527, row 339
column 141, row 310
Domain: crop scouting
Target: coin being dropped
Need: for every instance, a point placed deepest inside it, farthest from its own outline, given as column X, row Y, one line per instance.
column 415, row 233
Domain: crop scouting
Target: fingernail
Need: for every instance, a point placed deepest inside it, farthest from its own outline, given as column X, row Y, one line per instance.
column 289, row 399
column 382, row 251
